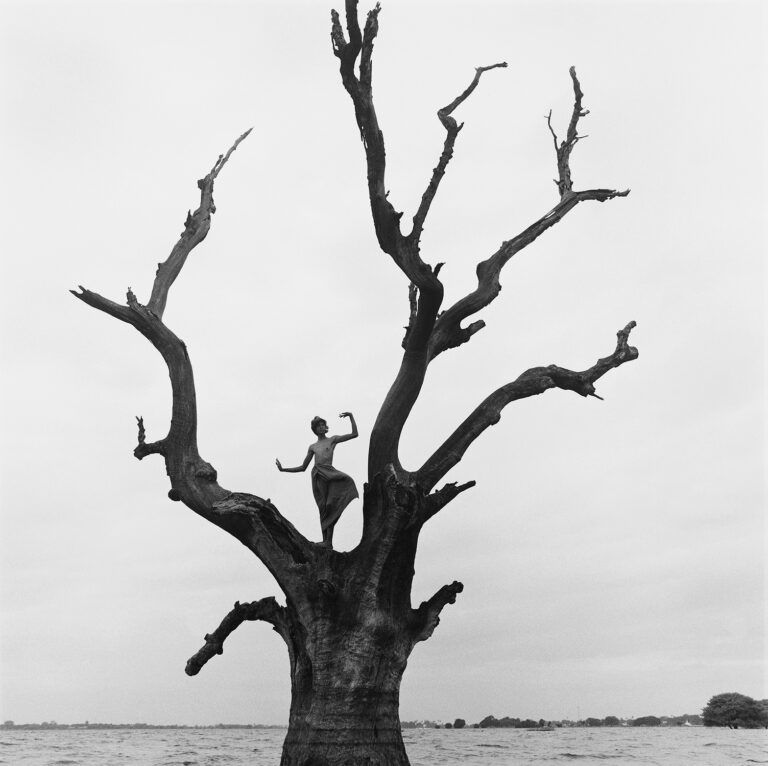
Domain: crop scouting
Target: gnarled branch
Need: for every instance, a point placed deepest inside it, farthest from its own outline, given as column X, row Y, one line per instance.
column 266, row 609
column 386, row 219
column 426, row 294
column 427, row 617
column 404, row 251
column 179, row 446
column 196, row 227
column 439, row 499
column 413, row 307
column 255, row 522
column 142, row 448
column 564, row 149
column 448, row 331
column 452, row 130
column 534, row 381
column 251, row 519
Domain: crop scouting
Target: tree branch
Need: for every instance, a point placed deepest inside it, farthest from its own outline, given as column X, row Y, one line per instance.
column 142, row 448
column 427, row 617
column 448, row 331
column 413, row 294
column 563, row 151
column 452, row 130
column 404, row 391
column 255, row 522
column 193, row 479
column 439, row 499
column 534, row 381
column 266, row 609
column 196, row 228
column 404, row 251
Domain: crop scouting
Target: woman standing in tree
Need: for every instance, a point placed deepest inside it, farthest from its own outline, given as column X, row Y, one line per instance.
column 333, row 489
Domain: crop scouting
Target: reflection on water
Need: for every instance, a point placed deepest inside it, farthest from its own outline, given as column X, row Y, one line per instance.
column 679, row 746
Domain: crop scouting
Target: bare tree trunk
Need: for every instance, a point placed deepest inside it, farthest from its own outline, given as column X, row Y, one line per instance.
column 345, row 694
column 350, row 639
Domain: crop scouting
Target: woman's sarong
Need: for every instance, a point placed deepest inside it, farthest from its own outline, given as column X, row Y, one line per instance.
column 333, row 491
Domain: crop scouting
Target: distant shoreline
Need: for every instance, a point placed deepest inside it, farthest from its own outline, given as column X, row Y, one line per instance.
column 88, row 725
column 406, row 725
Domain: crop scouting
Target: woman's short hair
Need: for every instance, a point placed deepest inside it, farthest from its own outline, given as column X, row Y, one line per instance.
column 316, row 421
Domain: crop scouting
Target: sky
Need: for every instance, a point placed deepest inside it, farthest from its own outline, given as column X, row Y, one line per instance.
column 612, row 552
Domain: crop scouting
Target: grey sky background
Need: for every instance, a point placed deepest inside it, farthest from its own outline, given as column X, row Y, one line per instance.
column 612, row 552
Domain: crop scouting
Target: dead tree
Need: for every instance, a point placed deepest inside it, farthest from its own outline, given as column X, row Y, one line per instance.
column 348, row 621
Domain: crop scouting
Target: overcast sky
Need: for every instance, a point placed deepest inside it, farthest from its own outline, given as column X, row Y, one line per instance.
column 612, row 552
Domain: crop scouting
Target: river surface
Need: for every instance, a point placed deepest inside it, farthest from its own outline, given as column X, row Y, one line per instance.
column 678, row 746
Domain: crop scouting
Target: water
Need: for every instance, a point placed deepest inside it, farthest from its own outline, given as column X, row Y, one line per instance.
column 679, row 746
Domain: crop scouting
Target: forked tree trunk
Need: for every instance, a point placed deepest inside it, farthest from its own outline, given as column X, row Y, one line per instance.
column 349, row 641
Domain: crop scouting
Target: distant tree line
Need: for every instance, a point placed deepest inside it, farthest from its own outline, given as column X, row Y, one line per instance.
column 489, row 722
column 88, row 725
column 732, row 710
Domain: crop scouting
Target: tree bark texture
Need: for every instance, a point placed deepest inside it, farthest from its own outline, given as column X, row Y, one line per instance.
column 350, row 637
column 349, row 643
column 348, row 622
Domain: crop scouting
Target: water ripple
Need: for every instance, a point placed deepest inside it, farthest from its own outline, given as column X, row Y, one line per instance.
column 426, row 747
